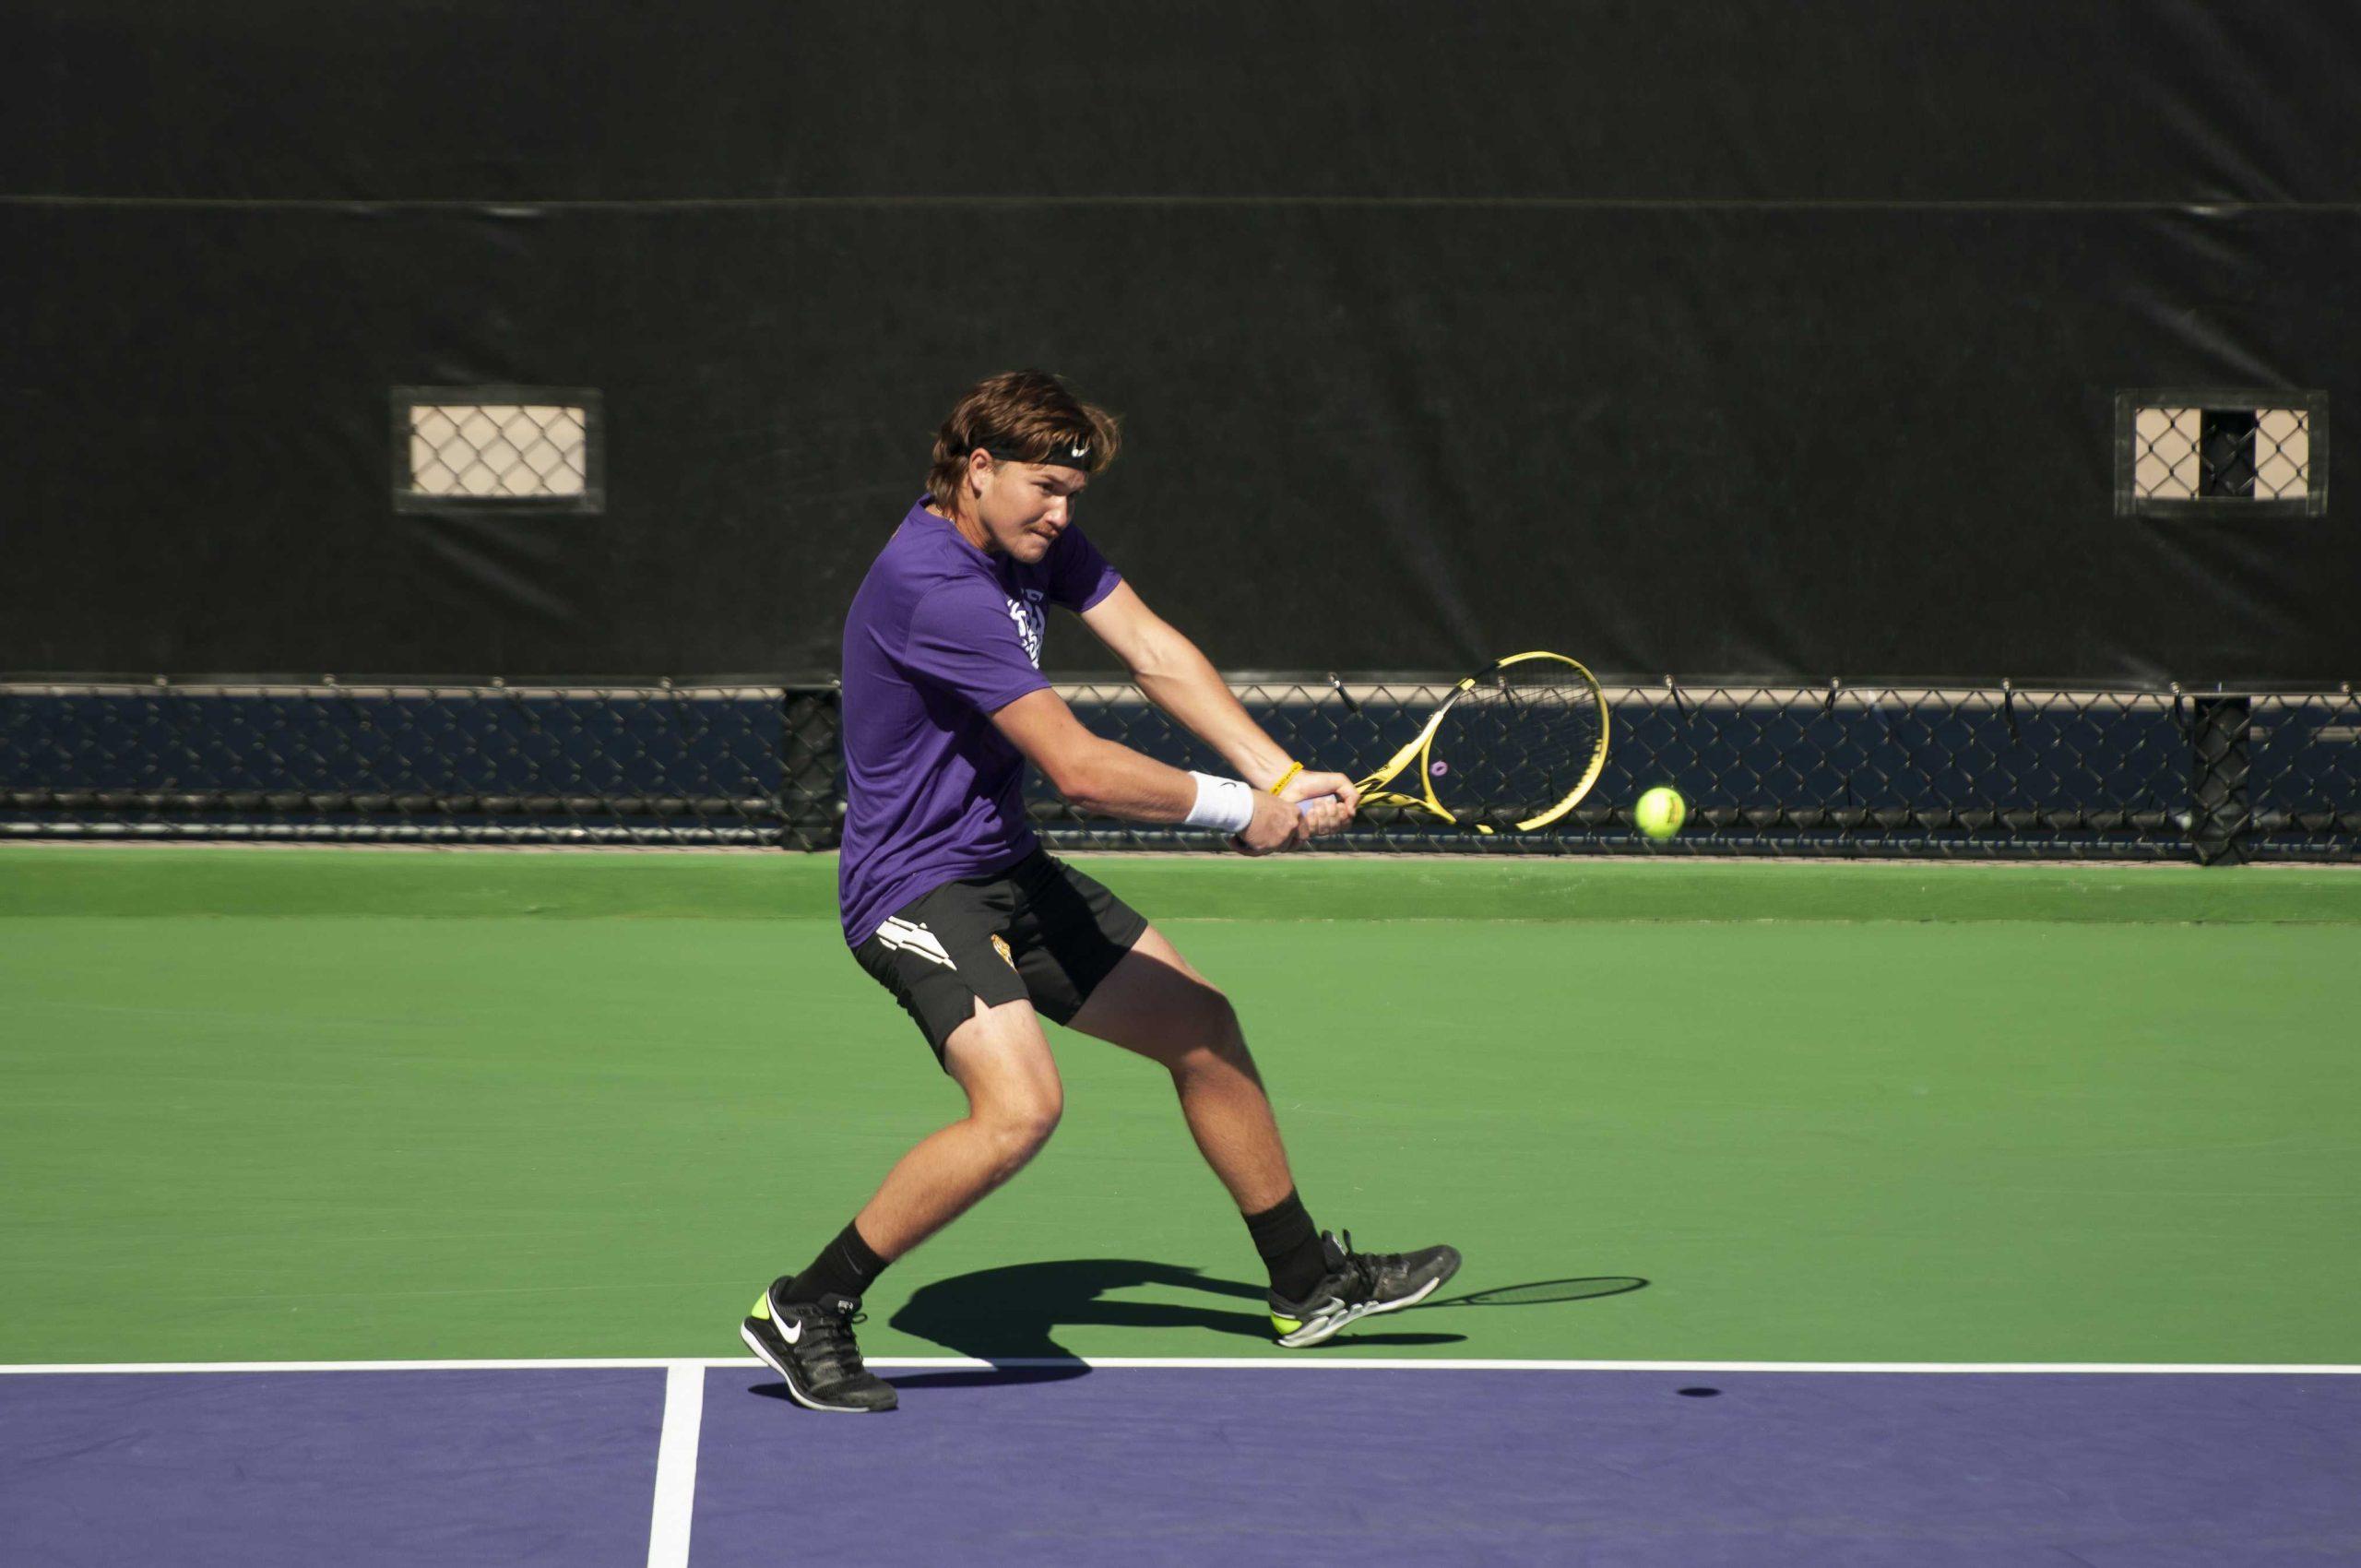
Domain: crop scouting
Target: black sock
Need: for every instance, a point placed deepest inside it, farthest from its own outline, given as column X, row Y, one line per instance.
column 1290, row 1247
column 846, row 1266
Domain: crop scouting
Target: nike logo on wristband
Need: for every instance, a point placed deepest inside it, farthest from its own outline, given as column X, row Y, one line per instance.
column 1224, row 803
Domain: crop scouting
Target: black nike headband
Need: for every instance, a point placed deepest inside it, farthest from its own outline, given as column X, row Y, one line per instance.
column 1066, row 454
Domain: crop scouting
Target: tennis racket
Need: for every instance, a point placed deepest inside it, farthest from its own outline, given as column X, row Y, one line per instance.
column 1514, row 747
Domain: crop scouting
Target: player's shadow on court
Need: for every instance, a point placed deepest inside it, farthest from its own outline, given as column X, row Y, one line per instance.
column 1013, row 1315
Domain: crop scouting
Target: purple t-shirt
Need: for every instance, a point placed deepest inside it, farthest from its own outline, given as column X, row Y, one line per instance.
column 941, row 636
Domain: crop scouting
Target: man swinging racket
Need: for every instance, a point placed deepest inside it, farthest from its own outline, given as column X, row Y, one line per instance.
column 951, row 904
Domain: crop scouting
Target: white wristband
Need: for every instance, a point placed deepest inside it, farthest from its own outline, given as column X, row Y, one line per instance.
column 1226, row 803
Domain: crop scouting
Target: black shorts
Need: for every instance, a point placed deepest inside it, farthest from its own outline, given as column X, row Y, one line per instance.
column 1039, row 932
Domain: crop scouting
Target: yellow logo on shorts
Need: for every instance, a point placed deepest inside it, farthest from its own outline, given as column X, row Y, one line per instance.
column 1002, row 948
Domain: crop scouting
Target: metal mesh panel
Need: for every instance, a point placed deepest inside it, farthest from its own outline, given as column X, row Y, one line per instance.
column 488, row 449
column 1840, row 770
column 1866, row 771
column 655, row 764
column 2221, row 451
column 2173, row 464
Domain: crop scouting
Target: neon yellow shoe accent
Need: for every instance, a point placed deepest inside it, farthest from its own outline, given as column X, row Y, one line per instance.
column 762, row 1307
column 1285, row 1324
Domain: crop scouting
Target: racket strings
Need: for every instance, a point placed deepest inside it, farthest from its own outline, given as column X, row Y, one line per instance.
column 1517, row 743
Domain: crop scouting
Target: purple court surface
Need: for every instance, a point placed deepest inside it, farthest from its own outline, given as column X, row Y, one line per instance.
column 348, row 1467
column 1180, row 1464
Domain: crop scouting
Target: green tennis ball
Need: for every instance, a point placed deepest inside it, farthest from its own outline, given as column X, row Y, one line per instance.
column 1660, row 812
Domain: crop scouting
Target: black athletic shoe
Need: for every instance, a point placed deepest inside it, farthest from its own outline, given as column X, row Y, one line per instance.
column 811, row 1345
column 1359, row 1285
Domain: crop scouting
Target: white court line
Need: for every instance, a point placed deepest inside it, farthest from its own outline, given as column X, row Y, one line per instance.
column 675, row 1365
column 676, row 1465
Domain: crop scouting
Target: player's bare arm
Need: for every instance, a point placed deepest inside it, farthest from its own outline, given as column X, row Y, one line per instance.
column 1107, row 779
column 1174, row 674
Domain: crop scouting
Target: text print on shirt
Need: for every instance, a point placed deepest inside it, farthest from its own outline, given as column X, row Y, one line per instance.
column 1031, row 622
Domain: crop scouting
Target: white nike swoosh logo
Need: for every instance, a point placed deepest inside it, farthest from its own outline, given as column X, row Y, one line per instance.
column 792, row 1332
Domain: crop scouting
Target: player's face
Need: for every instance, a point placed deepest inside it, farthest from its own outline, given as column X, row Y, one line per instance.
column 1025, row 507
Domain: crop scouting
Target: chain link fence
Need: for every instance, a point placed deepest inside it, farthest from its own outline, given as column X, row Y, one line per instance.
column 1835, row 770
column 2222, row 452
column 505, row 450
column 2186, row 453
column 657, row 764
column 512, row 450
column 1860, row 770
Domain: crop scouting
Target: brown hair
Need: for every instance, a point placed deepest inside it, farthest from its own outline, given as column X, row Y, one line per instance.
column 1028, row 413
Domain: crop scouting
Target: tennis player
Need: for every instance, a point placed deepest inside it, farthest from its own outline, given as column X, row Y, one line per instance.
column 950, row 903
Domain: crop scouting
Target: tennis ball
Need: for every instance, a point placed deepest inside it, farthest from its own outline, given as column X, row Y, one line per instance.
column 1660, row 812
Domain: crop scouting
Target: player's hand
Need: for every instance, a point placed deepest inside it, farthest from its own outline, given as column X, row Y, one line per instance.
column 1331, row 797
column 1277, row 825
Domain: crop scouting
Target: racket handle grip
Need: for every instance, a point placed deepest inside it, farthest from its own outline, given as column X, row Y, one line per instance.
column 1306, row 806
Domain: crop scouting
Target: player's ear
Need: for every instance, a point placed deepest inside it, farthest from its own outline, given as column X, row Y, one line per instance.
column 979, row 470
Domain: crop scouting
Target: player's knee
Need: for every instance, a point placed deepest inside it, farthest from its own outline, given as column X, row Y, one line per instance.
column 1223, row 1035
column 1019, row 1124
column 1219, row 1041
column 1039, row 1120
column 1228, row 1034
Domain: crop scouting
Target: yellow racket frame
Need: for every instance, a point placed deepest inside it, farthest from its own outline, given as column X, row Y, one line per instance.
column 1373, row 790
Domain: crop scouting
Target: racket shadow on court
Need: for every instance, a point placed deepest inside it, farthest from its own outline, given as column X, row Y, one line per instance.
column 1013, row 1315
column 1542, row 1292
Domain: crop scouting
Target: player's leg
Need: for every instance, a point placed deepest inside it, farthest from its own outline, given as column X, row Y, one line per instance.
column 1002, row 1059
column 802, row 1326
column 1091, row 962
column 1155, row 1004
column 939, row 957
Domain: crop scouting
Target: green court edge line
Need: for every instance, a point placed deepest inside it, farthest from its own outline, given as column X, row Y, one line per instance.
column 1211, row 1363
column 112, row 880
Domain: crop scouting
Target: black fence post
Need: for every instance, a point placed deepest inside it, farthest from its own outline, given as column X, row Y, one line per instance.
column 2220, row 814
column 2225, row 452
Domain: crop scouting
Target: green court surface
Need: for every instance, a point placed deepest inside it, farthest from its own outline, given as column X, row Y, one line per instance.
column 268, row 1104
